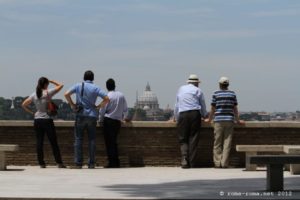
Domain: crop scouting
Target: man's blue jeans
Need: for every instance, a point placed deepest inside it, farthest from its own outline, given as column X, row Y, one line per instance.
column 82, row 123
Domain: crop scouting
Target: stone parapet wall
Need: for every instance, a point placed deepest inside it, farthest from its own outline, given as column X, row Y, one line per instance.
column 144, row 143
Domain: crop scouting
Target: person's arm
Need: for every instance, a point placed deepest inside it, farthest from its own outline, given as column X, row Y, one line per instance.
column 25, row 105
column 212, row 109
column 69, row 99
column 236, row 112
column 102, row 112
column 103, row 102
column 203, row 107
column 125, row 111
column 176, row 109
column 211, row 114
column 236, row 115
column 58, row 87
column 105, row 99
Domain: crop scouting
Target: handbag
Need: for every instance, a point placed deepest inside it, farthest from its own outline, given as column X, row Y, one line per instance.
column 51, row 107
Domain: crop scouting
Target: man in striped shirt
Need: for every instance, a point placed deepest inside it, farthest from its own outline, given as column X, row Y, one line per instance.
column 224, row 110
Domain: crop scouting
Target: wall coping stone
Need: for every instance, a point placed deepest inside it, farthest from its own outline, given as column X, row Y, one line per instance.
column 157, row 124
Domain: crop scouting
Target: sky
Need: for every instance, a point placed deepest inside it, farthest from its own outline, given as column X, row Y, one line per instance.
column 256, row 43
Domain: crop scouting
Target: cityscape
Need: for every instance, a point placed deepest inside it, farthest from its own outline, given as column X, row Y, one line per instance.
column 62, row 60
column 146, row 108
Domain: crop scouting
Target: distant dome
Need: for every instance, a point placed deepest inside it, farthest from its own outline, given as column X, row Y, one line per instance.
column 148, row 100
column 146, row 108
column 148, row 96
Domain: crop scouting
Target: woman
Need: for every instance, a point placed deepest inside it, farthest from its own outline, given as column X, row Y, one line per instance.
column 43, row 123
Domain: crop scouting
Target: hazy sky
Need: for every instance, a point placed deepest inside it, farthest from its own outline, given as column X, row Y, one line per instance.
column 256, row 43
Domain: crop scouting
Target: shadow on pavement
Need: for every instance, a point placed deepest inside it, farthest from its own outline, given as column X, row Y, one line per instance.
column 210, row 189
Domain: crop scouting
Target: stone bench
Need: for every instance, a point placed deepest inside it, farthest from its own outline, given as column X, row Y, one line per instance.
column 293, row 150
column 3, row 149
column 275, row 165
column 251, row 150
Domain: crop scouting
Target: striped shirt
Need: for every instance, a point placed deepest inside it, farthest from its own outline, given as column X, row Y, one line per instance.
column 224, row 102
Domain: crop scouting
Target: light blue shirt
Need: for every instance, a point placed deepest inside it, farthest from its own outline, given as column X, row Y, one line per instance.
column 116, row 108
column 189, row 97
column 89, row 98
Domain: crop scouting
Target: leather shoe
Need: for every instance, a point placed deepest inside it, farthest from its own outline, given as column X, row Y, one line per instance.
column 60, row 165
column 76, row 167
column 184, row 163
column 112, row 166
column 43, row 166
column 91, row 166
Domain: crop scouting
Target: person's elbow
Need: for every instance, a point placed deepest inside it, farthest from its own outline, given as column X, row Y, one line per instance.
column 106, row 99
column 23, row 105
column 58, row 88
column 67, row 94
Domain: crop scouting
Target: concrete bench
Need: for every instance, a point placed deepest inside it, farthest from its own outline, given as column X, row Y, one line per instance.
column 251, row 150
column 293, row 150
column 3, row 149
column 275, row 165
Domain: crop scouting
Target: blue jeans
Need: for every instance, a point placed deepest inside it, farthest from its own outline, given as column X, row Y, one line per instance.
column 82, row 123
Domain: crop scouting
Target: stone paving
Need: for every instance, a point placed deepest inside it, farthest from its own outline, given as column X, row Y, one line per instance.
column 28, row 182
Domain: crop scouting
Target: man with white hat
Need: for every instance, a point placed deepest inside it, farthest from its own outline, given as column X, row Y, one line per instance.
column 224, row 110
column 189, row 109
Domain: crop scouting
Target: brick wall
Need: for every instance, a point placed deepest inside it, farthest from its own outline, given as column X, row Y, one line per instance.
column 143, row 143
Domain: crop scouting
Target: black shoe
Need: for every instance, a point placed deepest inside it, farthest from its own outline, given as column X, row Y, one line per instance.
column 76, row 167
column 91, row 166
column 60, row 165
column 43, row 166
column 184, row 163
column 225, row 167
column 185, row 166
column 112, row 166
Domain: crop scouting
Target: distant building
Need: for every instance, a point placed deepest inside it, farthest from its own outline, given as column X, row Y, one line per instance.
column 264, row 116
column 298, row 115
column 149, row 103
column 12, row 103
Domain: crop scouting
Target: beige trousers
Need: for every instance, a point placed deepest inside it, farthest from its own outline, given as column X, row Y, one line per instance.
column 223, row 132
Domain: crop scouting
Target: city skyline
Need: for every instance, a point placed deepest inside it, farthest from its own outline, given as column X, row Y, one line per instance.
column 253, row 42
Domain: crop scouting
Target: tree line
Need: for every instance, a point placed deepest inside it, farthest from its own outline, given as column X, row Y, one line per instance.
column 64, row 111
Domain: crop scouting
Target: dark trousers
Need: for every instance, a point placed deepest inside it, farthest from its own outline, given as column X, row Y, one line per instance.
column 42, row 126
column 189, row 124
column 111, row 131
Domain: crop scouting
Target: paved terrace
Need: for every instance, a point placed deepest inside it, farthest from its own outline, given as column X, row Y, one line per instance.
column 28, row 182
column 143, row 144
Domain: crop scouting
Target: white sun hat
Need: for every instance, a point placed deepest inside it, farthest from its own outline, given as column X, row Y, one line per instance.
column 193, row 78
column 224, row 80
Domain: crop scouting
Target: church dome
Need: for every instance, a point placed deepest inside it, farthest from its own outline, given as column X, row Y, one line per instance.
column 148, row 97
column 146, row 108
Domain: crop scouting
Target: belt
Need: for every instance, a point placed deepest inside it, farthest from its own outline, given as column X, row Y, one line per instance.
column 189, row 111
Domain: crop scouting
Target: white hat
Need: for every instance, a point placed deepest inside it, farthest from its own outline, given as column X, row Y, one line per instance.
column 193, row 79
column 224, row 80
